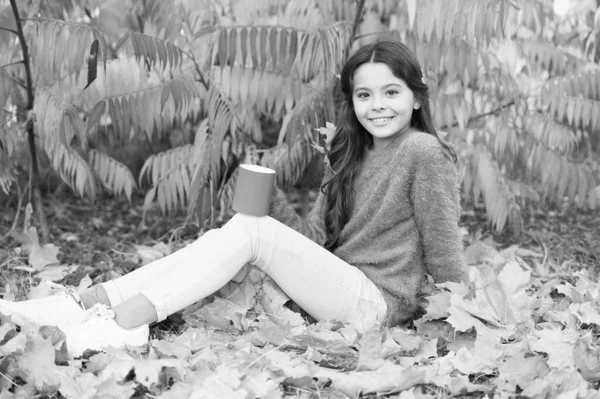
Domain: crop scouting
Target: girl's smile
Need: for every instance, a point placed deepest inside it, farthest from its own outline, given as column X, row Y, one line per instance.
column 383, row 103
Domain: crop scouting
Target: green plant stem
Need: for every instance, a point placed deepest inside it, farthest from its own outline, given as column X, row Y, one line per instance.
column 35, row 173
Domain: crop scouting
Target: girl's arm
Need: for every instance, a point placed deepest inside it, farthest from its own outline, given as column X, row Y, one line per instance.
column 312, row 226
column 436, row 199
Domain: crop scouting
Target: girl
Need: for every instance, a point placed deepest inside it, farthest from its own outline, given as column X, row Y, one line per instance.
column 387, row 214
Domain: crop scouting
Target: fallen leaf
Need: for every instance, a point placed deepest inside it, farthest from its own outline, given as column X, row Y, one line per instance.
column 519, row 371
column 36, row 365
column 147, row 372
column 558, row 344
column 389, row 378
column 587, row 358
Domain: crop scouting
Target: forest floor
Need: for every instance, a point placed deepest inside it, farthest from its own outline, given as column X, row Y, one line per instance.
column 103, row 235
column 108, row 238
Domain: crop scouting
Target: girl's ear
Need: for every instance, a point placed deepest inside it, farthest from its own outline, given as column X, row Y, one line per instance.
column 416, row 105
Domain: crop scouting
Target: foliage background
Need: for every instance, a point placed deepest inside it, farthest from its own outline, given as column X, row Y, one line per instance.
column 184, row 91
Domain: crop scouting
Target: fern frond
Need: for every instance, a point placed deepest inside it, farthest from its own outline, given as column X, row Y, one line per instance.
column 560, row 178
column 576, row 111
column 8, row 174
column 60, row 48
column 57, row 121
column 169, row 175
column 202, row 189
column 455, row 56
column 72, row 169
column 149, row 109
column 584, row 84
column 113, row 175
column 266, row 92
column 281, row 50
column 11, row 140
column 555, row 136
column 553, row 59
column 222, row 120
column 313, row 110
column 337, row 10
column 500, row 203
column 268, row 48
column 451, row 109
column 256, row 12
column 5, row 87
column 289, row 163
column 334, row 40
column 11, row 137
column 476, row 21
column 155, row 51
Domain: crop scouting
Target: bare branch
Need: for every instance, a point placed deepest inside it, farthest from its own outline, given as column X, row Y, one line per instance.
column 9, row 30
column 12, row 63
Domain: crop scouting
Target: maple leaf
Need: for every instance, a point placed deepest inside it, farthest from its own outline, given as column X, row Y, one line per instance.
column 148, row 372
column 559, row 384
column 484, row 357
column 78, row 385
column 586, row 312
column 272, row 299
column 329, row 132
column 501, row 301
column 39, row 256
column 36, row 364
column 587, row 358
column 113, row 388
column 225, row 315
column 264, row 330
column 388, row 378
column 520, row 371
column 169, row 348
column 369, row 353
column 149, row 254
column 558, row 344
column 261, row 383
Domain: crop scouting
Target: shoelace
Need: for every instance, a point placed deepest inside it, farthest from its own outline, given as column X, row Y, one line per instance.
column 69, row 290
column 99, row 311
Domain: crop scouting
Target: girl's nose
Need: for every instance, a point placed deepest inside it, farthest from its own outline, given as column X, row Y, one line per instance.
column 377, row 105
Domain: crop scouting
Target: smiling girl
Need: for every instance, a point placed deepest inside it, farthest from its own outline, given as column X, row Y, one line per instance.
column 387, row 214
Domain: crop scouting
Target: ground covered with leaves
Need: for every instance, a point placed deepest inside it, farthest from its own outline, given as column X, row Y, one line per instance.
column 524, row 323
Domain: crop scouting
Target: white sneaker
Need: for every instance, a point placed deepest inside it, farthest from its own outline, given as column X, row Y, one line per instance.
column 60, row 308
column 99, row 330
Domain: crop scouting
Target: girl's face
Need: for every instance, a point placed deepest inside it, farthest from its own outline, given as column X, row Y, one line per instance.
column 382, row 102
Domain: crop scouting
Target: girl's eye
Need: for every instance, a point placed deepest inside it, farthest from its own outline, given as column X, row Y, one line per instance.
column 392, row 92
column 362, row 95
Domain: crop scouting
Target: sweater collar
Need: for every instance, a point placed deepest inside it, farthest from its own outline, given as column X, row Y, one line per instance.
column 378, row 157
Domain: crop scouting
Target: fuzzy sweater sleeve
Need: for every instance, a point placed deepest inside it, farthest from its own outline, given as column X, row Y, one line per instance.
column 312, row 226
column 435, row 195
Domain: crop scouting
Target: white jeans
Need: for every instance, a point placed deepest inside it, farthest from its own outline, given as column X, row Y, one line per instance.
column 322, row 284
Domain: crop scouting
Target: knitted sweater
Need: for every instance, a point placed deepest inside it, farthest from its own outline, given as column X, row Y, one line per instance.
column 404, row 221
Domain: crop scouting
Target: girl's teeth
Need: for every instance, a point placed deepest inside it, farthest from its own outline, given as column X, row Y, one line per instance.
column 380, row 120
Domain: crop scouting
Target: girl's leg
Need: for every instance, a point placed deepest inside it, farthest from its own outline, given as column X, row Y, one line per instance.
column 325, row 286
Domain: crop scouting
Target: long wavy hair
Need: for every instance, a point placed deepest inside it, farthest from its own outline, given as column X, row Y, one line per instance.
column 351, row 139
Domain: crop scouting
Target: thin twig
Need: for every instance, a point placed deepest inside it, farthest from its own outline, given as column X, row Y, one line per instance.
column 9, row 30
column 263, row 355
column 35, row 173
column 23, row 85
column 12, row 63
column 474, row 118
column 20, row 195
column 8, row 379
